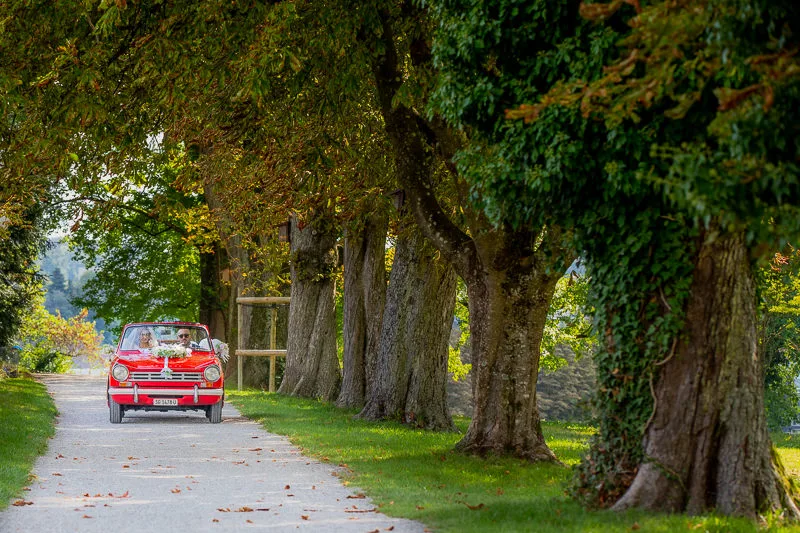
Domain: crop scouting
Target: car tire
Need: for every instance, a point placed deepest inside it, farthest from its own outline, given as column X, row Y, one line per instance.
column 215, row 413
column 114, row 411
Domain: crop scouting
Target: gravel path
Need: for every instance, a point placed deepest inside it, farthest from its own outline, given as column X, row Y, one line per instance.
column 177, row 472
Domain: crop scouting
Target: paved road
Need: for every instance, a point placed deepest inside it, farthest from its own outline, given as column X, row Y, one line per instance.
column 177, row 472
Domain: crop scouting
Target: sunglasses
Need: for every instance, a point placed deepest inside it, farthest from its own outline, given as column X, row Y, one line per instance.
column 183, row 335
column 145, row 335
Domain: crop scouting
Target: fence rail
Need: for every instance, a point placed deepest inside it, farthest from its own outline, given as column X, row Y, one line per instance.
column 272, row 353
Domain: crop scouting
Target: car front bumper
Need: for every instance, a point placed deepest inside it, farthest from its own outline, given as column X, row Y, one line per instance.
column 185, row 396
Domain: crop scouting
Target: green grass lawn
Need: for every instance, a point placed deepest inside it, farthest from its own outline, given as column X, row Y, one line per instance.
column 27, row 415
column 415, row 474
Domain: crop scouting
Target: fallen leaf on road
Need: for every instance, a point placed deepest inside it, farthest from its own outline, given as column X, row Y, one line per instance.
column 287, row 487
column 390, row 528
column 175, row 491
column 224, row 510
column 249, row 521
column 86, row 516
column 56, row 474
column 20, row 503
column 263, row 509
column 254, row 449
column 359, row 496
column 59, row 456
column 304, row 516
column 214, row 520
column 244, row 509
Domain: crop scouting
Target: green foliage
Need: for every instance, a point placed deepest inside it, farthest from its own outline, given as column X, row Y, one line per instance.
column 27, row 417
column 20, row 282
column 49, row 342
column 568, row 322
column 455, row 366
column 779, row 336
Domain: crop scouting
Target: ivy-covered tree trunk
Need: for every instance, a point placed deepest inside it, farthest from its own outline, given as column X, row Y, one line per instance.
column 364, row 299
column 312, row 366
column 410, row 378
column 707, row 445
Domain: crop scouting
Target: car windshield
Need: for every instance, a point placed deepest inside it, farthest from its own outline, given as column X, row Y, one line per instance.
column 149, row 336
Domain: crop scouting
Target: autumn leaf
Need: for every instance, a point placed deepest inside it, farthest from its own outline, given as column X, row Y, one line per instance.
column 474, row 507
column 304, row 516
column 175, row 491
column 223, row 510
column 86, row 516
column 244, row 509
column 359, row 496
column 20, row 503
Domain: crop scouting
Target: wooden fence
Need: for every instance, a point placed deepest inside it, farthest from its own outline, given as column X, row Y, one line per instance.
column 272, row 353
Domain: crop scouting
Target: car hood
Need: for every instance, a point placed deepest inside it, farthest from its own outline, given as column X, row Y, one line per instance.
column 145, row 361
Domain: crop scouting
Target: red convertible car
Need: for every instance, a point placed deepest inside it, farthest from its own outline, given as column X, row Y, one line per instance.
column 164, row 366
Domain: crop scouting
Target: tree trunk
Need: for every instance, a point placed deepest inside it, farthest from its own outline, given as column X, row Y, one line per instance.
column 506, row 272
column 507, row 310
column 312, row 366
column 707, row 445
column 364, row 299
column 213, row 292
column 255, row 369
column 410, row 380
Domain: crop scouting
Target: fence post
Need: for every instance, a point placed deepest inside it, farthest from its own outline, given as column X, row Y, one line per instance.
column 239, row 337
column 273, row 335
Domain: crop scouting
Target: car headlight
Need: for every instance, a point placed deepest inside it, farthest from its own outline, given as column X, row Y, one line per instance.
column 212, row 373
column 120, row 372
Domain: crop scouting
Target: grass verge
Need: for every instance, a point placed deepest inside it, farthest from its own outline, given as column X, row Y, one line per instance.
column 415, row 474
column 27, row 415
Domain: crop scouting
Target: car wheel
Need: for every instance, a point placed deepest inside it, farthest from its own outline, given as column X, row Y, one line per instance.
column 215, row 413
column 115, row 412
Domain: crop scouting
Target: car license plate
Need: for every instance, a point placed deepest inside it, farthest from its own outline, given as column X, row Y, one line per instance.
column 165, row 401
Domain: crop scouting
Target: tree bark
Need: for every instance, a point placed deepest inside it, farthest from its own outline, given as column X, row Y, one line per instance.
column 707, row 445
column 364, row 300
column 410, row 380
column 508, row 310
column 312, row 366
column 213, row 293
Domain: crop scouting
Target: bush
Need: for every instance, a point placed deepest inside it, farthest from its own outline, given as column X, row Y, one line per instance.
column 41, row 359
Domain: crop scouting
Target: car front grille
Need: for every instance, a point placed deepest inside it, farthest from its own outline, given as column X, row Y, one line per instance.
column 156, row 376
